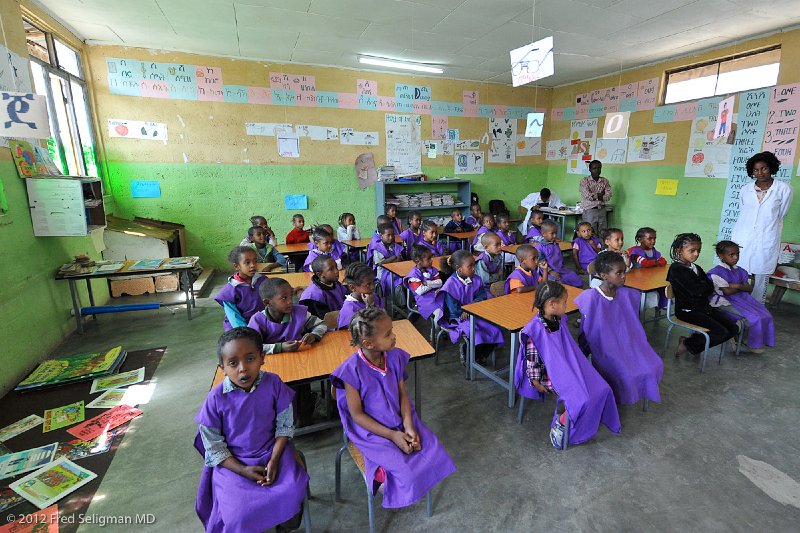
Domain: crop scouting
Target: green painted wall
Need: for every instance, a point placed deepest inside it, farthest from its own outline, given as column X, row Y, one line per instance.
column 214, row 202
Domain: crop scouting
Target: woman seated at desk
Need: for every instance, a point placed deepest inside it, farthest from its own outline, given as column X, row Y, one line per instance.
column 543, row 198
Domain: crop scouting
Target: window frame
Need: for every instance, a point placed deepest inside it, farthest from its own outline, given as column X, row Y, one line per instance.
column 718, row 62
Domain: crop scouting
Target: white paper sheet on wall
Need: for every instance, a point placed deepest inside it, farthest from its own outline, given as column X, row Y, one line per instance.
column 469, row 162
column 557, row 150
column 288, row 142
column 264, row 129
column 404, row 142
column 364, row 138
column 23, row 115
column 503, row 134
column 137, row 129
column 528, row 146
column 650, row 147
column 14, row 75
column 317, row 133
column 611, row 151
column 582, row 138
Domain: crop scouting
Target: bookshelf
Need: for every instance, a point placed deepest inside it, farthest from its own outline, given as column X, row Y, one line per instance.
column 460, row 189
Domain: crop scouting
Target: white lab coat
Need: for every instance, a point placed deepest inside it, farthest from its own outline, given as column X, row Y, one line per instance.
column 530, row 201
column 759, row 226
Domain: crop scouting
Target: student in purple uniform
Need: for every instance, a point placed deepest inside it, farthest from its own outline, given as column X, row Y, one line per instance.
column 360, row 281
column 376, row 238
column 261, row 222
column 504, row 231
column 387, row 251
column 644, row 254
column 585, row 247
column 424, row 281
column 391, row 212
column 461, row 288
column 325, row 294
column 550, row 360
column 239, row 297
column 612, row 332
column 322, row 242
column 550, row 252
column 732, row 294
column 487, row 225
column 474, row 218
column 613, row 241
column 250, row 480
column 692, row 292
column 489, row 264
column 430, row 237
column 400, row 452
column 530, row 271
column 337, row 248
column 265, row 252
column 412, row 235
column 534, row 234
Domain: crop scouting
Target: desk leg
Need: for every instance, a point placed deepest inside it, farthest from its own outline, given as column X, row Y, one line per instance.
column 390, row 297
column 417, row 391
column 511, row 359
column 560, row 227
column 642, row 300
column 91, row 295
column 76, row 305
column 186, row 287
column 471, row 351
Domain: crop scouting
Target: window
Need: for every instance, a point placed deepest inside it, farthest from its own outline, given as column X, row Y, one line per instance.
column 734, row 74
column 57, row 75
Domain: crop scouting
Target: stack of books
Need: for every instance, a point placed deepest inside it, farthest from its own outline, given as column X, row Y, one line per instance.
column 74, row 368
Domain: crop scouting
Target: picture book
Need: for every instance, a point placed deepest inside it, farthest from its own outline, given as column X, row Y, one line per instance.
column 117, row 381
column 80, row 449
column 146, row 264
column 20, row 426
column 18, row 462
column 73, row 368
column 105, row 421
column 63, row 416
column 111, row 266
column 110, row 398
column 179, row 262
column 8, row 499
column 4, row 449
column 52, row 482
column 44, row 521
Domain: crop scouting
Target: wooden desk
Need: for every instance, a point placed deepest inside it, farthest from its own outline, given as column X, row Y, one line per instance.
column 317, row 361
column 289, row 249
column 182, row 271
column 362, row 244
column 646, row 280
column 561, row 215
column 565, row 246
column 511, row 313
column 465, row 237
column 297, row 279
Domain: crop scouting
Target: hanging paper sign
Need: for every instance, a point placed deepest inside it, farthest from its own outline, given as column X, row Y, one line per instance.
column 23, row 115
column 532, row 62
column 616, row 125
column 534, row 125
column 724, row 117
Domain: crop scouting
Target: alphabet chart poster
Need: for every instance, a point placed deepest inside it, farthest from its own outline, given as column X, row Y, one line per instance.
column 469, row 162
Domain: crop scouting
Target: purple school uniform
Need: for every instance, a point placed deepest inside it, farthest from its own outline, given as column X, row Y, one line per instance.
column 437, row 248
column 534, row 234
column 528, row 280
column 370, row 248
column 398, row 229
column 620, row 351
column 472, row 221
column 331, row 298
column 335, row 253
column 492, row 265
column 485, row 333
column 274, row 332
column 552, row 253
column 408, row 477
column 508, row 238
column 351, row 307
column 227, row 501
column 588, row 398
column 244, row 296
column 386, row 280
column 479, row 233
column 410, row 238
column 430, row 301
column 586, row 254
column 653, row 254
column 761, row 325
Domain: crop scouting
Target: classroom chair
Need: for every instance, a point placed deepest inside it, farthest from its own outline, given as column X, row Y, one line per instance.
column 565, row 438
column 331, row 319
column 358, row 459
column 675, row 321
column 301, row 460
column 498, row 207
column 590, row 269
column 411, row 306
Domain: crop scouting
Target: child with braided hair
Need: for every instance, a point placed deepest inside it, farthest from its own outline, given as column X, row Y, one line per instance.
column 360, row 281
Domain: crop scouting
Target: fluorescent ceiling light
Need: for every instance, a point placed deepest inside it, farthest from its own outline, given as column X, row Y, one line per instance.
column 391, row 63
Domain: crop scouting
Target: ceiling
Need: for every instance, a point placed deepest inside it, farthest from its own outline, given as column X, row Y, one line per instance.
column 469, row 38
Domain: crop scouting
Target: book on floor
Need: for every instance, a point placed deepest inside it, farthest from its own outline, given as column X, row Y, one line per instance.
column 9, row 498
column 17, row 463
column 63, row 416
column 74, row 368
column 79, row 449
column 20, row 426
column 52, row 482
column 117, row 381
column 94, row 427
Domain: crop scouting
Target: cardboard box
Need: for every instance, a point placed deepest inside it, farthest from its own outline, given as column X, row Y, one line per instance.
column 167, row 283
column 133, row 286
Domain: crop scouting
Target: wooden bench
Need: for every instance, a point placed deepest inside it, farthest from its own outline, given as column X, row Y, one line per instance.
column 781, row 284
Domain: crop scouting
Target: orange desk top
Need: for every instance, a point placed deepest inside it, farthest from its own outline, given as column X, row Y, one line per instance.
column 512, row 311
column 461, row 234
column 320, row 359
column 647, row 279
column 363, row 243
column 297, row 279
column 292, row 248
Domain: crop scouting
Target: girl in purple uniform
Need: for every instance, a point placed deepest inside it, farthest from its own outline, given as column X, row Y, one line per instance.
column 424, row 281
column 732, row 295
column 239, row 297
column 400, row 452
column 325, row 294
column 550, row 251
column 487, row 225
column 644, row 254
column 360, row 281
column 412, row 234
column 250, row 481
column 430, row 237
column 322, row 245
column 504, row 231
column 387, row 251
column 584, row 247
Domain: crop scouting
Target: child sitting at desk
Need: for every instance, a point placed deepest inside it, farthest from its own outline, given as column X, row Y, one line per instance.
column 487, row 225
column 430, row 237
column 457, row 223
column 391, row 212
column 474, row 218
column 337, row 248
column 322, row 247
column 584, row 247
column 504, row 231
column 550, row 360
column 644, row 254
column 298, row 235
column 489, row 264
column 325, row 294
column 360, row 281
column 260, row 221
column 534, row 234
column 463, row 287
column 400, row 452
column 347, row 230
column 424, row 281
column 239, row 298
column 387, row 251
column 550, row 251
column 265, row 252
column 248, row 483
column 612, row 333
column 526, row 276
column 382, row 219
column 412, row 235
column 613, row 240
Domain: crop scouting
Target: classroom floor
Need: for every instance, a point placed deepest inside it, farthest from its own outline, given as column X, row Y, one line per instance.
column 687, row 464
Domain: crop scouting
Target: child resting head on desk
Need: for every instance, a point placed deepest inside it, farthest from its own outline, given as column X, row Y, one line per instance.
column 360, row 281
column 325, row 294
column 239, row 297
column 248, row 484
column 400, row 452
column 550, row 360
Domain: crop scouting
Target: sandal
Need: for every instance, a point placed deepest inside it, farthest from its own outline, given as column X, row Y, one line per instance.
column 681, row 349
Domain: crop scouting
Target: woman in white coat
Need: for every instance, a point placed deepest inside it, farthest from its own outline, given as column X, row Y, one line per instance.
column 763, row 204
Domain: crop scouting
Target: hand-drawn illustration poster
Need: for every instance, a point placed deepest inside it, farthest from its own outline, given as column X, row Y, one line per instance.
column 532, row 62
column 557, row 150
column 469, row 162
column 650, row 147
column 365, row 170
column 708, row 157
column 528, row 146
column 582, row 139
column 364, row 138
column 403, row 143
column 611, row 151
column 724, row 117
column 503, row 135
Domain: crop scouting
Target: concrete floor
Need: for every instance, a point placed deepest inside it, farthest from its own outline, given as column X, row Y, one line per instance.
column 676, row 467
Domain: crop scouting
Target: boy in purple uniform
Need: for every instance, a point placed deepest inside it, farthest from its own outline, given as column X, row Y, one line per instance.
column 424, row 281
column 250, row 480
column 387, row 251
column 239, row 297
column 534, row 234
column 325, row 294
column 376, row 238
column 489, row 264
column 412, row 235
column 585, row 247
column 487, row 225
column 474, row 218
column 526, row 276
column 551, row 252
column 504, row 231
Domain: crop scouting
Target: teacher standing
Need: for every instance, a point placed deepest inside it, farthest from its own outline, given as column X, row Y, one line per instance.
column 763, row 204
column 595, row 193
